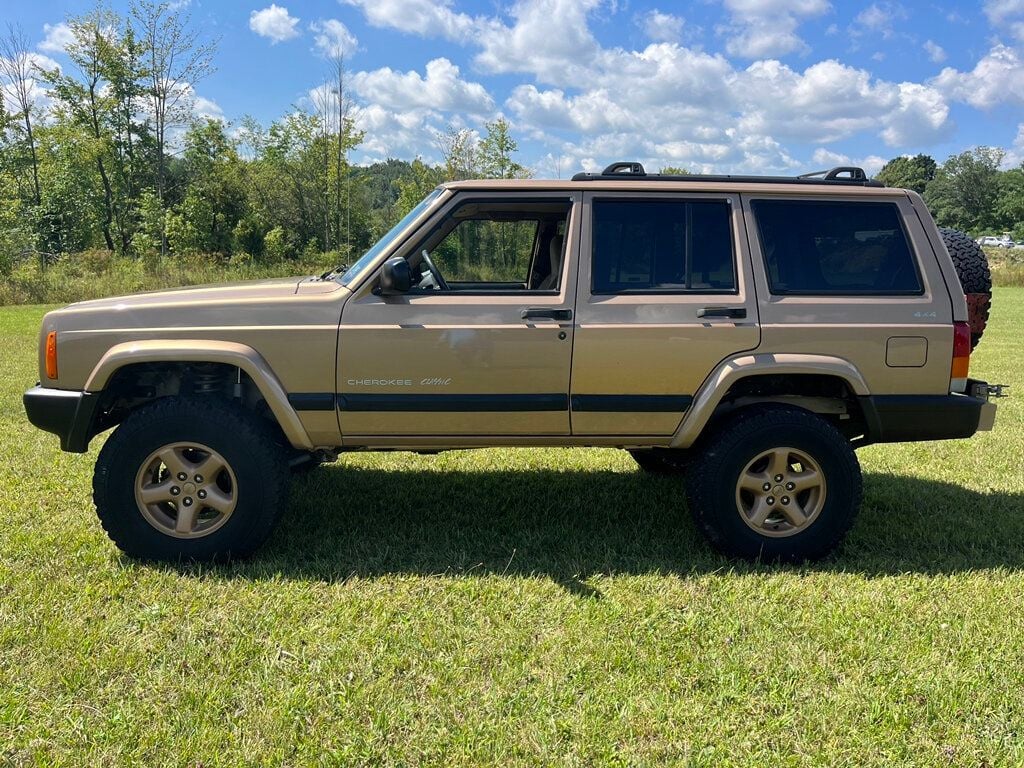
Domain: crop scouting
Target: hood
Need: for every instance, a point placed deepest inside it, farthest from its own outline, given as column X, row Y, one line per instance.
column 199, row 295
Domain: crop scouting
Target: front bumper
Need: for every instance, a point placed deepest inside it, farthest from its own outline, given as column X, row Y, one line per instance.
column 907, row 418
column 67, row 414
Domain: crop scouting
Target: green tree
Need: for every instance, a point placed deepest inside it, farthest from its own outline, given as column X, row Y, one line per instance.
column 495, row 150
column 908, row 173
column 84, row 99
column 1010, row 205
column 421, row 181
column 672, row 170
column 965, row 189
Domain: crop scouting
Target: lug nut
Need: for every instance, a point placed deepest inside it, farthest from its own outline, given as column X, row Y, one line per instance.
column 785, row 499
column 770, row 500
column 790, row 486
column 778, row 478
column 187, row 501
column 182, row 476
column 175, row 490
column 766, row 487
column 199, row 478
column 201, row 494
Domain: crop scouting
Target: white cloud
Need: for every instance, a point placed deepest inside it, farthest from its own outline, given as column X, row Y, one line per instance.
column 1007, row 16
column 662, row 27
column 428, row 18
column 878, row 19
column 935, row 52
column 275, row 23
column 332, row 38
column 999, row 11
column 550, row 38
column 56, row 38
column 997, row 78
column 441, row 90
column 761, row 28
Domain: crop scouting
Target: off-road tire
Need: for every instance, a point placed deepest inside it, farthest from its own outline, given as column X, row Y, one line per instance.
column 713, row 477
column 661, row 461
column 975, row 278
column 248, row 444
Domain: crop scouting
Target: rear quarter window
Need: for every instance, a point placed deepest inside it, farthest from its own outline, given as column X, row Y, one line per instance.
column 815, row 247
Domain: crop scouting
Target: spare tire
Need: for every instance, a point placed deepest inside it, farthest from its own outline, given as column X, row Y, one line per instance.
column 972, row 268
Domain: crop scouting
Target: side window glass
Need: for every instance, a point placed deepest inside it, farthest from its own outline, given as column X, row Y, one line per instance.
column 662, row 246
column 496, row 246
column 839, row 248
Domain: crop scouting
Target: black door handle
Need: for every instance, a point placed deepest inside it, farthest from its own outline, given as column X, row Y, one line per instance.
column 736, row 313
column 546, row 313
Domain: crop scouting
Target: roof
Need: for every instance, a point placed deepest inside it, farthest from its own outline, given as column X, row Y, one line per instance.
column 627, row 177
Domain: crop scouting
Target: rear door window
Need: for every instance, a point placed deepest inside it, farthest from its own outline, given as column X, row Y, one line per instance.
column 662, row 246
column 835, row 248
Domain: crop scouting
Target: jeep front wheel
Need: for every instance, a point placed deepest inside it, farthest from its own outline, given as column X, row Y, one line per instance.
column 775, row 484
column 190, row 479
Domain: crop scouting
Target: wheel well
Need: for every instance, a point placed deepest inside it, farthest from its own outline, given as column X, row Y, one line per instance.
column 829, row 397
column 138, row 384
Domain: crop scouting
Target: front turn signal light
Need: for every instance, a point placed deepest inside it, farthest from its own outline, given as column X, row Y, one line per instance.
column 51, row 355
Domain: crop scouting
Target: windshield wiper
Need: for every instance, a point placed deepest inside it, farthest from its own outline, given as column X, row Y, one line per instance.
column 336, row 271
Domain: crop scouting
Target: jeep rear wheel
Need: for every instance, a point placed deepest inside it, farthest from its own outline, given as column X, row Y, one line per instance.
column 190, row 479
column 775, row 484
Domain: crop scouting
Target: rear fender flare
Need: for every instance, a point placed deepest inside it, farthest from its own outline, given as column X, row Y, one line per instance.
column 734, row 369
column 201, row 351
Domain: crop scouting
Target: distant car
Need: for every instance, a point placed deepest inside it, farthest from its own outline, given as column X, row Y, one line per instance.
column 991, row 241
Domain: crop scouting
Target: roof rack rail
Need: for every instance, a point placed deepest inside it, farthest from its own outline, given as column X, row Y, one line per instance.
column 845, row 175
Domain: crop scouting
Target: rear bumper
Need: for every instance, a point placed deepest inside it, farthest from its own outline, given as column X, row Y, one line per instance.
column 69, row 415
column 906, row 418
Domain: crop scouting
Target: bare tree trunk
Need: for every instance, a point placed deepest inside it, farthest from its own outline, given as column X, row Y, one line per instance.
column 177, row 61
column 16, row 67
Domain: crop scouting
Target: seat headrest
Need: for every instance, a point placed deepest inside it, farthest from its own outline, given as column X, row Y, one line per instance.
column 555, row 251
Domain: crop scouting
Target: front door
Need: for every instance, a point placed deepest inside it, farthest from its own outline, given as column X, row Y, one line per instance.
column 482, row 344
column 665, row 293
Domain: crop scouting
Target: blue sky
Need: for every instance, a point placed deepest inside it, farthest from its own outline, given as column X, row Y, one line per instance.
column 712, row 85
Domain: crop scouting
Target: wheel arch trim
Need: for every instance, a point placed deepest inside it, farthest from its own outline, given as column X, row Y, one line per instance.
column 206, row 351
column 734, row 369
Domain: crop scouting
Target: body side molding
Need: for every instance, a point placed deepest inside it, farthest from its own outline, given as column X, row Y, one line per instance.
column 206, row 351
column 733, row 369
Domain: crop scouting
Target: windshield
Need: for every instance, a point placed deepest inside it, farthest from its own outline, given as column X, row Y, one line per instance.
column 382, row 244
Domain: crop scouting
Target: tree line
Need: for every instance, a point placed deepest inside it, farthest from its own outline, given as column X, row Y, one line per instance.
column 968, row 192
column 119, row 158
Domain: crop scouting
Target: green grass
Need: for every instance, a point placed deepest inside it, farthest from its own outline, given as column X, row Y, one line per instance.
column 520, row 607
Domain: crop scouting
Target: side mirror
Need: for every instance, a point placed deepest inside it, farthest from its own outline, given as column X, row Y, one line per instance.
column 395, row 277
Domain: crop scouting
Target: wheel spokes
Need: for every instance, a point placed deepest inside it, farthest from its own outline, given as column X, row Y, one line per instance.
column 157, row 493
column 219, row 501
column 186, row 521
column 174, row 459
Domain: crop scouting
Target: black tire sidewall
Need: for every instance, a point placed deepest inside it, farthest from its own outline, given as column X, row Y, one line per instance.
column 731, row 534
column 258, row 494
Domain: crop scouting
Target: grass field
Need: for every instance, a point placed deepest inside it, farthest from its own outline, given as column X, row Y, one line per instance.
column 520, row 607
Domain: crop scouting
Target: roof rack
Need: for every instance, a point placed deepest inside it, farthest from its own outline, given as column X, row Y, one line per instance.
column 846, row 175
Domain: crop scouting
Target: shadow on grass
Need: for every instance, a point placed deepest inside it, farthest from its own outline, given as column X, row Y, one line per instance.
column 357, row 522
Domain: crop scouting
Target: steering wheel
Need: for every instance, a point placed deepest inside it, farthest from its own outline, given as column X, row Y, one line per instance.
column 434, row 273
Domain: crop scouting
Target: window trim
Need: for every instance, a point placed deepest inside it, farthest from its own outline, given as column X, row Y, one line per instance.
column 837, row 293
column 569, row 201
column 687, row 201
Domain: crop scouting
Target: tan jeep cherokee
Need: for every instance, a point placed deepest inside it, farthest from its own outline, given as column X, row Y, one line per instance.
column 749, row 331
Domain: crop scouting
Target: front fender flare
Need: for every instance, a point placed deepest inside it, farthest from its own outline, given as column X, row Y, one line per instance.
column 734, row 369
column 203, row 351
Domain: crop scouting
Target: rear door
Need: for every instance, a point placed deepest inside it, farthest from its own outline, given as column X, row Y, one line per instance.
column 665, row 293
